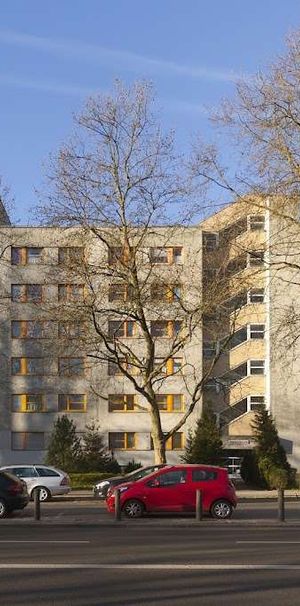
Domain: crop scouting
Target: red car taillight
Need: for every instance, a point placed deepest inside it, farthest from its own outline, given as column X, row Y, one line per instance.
column 15, row 488
column 65, row 481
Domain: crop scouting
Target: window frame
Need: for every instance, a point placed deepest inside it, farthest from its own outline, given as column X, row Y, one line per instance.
column 69, row 295
column 24, row 404
column 126, row 405
column 24, row 366
column 67, row 371
column 258, row 330
column 25, row 255
column 24, row 324
column 24, row 293
column 257, row 222
column 256, row 364
column 68, row 408
column 126, row 435
column 261, row 295
column 170, row 399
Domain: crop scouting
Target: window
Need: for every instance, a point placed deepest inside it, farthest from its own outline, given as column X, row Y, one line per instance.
column 203, row 475
column 117, row 328
column 30, row 329
column 210, row 241
column 119, row 254
column 70, row 292
column 166, row 255
column 121, row 440
column 165, row 328
column 115, row 370
column 170, row 402
column 71, row 255
column 45, row 472
column 70, row 330
column 257, row 367
column 257, row 222
column 69, row 367
column 257, row 331
column 256, row 259
column 257, row 295
column 26, row 293
column 168, row 367
column 118, row 292
column 24, row 472
column 71, row 402
column 209, row 349
column 27, row 403
column 172, row 477
column 165, row 292
column 175, row 442
column 121, row 402
column 26, row 255
column 257, row 402
column 27, row 366
column 27, row 440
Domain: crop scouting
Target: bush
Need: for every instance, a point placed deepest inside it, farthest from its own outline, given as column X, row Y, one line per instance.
column 250, row 471
column 86, row 481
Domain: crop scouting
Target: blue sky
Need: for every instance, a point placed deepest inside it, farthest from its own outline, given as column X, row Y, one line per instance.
column 55, row 53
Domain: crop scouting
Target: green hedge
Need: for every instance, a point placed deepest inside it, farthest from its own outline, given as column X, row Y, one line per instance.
column 86, row 481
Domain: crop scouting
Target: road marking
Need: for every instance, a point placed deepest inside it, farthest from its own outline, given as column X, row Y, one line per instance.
column 269, row 542
column 204, row 567
column 64, row 542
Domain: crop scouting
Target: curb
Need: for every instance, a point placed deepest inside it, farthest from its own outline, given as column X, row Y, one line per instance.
column 263, row 524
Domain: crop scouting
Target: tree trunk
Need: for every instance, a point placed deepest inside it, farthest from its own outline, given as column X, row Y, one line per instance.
column 159, row 443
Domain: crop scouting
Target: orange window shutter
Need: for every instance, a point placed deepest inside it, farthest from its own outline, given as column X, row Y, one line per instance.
column 170, row 366
column 169, row 402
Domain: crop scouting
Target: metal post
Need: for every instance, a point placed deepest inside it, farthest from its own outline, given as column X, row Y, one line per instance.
column 37, row 504
column 198, row 506
column 281, row 511
column 117, row 505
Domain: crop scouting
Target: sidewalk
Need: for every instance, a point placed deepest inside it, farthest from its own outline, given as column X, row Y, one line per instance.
column 242, row 494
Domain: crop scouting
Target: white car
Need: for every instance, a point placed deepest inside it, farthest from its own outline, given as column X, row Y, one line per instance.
column 49, row 480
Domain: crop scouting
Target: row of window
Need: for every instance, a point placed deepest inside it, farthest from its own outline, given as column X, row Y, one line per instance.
column 33, row 255
column 78, row 403
column 72, row 255
column 67, row 367
column 75, row 367
column 211, row 240
column 251, row 367
column 33, row 293
column 250, row 332
column 118, row 440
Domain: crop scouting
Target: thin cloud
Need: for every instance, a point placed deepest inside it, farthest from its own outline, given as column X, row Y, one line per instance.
column 131, row 61
column 46, row 86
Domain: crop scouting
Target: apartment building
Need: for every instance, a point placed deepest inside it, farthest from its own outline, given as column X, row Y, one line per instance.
column 226, row 259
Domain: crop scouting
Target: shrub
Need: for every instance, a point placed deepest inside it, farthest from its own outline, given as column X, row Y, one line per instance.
column 86, row 481
column 131, row 466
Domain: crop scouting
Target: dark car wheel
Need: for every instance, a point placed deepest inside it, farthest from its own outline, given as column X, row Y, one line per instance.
column 133, row 509
column 222, row 509
column 3, row 509
column 45, row 494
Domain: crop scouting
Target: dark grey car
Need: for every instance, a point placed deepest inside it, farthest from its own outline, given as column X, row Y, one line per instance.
column 101, row 488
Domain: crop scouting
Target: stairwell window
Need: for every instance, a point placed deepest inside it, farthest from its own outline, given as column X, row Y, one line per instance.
column 257, row 222
column 256, row 295
column 209, row 349
column 257, row 331
column 256, row 258
column 210, row 241
column 256, row 402
column 257, row 367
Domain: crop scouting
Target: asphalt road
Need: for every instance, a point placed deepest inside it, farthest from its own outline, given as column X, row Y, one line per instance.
column 138, row 565
column 92, row 511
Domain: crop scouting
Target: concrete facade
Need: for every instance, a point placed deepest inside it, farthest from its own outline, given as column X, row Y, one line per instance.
column 246, row 374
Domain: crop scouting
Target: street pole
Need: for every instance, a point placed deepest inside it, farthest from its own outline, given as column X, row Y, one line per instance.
column 198, row 505
column 37, row 504
column 117, row 505
column 281, row 511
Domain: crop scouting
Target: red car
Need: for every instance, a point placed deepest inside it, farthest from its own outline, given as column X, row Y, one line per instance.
column 173, row 489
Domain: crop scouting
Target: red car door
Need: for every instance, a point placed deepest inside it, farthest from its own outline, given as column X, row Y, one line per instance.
column 206, row 481
column 166, row 491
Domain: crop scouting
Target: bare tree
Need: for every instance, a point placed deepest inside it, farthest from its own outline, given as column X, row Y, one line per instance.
column 121, row 193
